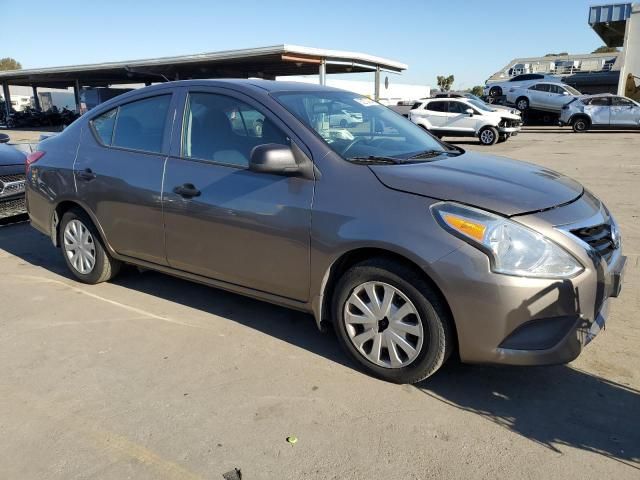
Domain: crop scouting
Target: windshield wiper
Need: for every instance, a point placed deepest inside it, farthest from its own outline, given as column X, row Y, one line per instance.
column 375, row 159
column 429, row 154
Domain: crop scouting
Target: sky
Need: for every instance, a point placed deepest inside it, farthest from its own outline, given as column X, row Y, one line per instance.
column 470, row 39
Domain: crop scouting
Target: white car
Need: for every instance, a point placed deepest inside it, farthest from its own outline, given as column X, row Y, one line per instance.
column 463, row 117
column 545, row 96
column 603, row 111
column 345, row 118
column 501, row 87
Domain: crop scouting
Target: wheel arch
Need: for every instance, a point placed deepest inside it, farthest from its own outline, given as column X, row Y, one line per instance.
column 322, row 310
column 64, row 206
column 576, row 116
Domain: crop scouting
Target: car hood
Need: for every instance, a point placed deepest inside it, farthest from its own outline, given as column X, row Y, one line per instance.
column 492, row 183
column 11, row 156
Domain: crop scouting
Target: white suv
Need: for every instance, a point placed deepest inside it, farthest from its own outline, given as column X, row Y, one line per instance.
column 463, row 117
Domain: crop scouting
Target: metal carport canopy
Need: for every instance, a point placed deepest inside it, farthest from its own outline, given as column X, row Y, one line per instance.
column 263, row 62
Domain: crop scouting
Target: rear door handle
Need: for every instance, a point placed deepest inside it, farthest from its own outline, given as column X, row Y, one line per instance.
column 187, row 190
column 86, row 174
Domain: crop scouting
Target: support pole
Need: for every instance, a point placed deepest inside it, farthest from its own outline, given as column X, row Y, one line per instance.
column 76, row 94
column 36, row 99
column 376, row 89
column 7, row 98
column 322, row 72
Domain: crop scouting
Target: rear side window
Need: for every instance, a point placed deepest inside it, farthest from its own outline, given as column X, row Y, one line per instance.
column 225, row 130
column 437, row 106
column 598, row 102
column 140, row 124
column 103, row 125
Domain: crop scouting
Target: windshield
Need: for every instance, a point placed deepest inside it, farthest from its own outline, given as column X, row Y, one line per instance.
column 481, row 105
column 356, row 127
column 473, row 97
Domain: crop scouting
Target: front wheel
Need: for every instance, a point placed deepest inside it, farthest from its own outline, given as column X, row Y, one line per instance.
column 522, row 103
column 391, row 321
column 83, row 251
column 488, row 136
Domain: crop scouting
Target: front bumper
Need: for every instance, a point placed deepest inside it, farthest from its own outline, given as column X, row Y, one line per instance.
column 11, row 207
column 512, row 320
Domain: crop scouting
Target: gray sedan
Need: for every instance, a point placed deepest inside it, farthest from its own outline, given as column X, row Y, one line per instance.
column 601, row 112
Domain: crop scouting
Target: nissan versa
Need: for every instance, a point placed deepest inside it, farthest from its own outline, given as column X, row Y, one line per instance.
column 412, row 248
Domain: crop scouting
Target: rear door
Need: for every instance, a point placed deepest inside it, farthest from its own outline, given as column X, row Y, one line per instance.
column 118, row 173
column 436, row 113
column 224, row 221
column 538, row 95
column 598, row 109
column 624, row 113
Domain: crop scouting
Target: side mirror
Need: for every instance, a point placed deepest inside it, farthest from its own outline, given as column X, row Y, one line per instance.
column 469, row 111
column 4, row 138
column 273, row 158
column 565, row 92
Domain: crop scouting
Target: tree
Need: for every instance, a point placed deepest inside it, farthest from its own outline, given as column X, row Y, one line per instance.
column 478, row 91
column 605, row 49
column 8, row 63
column 445, row 83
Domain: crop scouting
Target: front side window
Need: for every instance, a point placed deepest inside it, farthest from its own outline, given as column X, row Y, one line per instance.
column 103, row 126
column 140, row 124
column 598, row 102
column 622, row 102
column 225, row 130
column 380, row 132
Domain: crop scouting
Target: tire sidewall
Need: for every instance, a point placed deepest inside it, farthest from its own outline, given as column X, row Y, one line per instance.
column 576, row 124
column 493, row 131
column 526, row 107
column 431, row 355
column 101, row 257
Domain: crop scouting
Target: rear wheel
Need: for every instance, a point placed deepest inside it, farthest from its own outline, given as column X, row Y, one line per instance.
column 83, row 250
column 580, row 125
column 488, row 135
column 391, row 321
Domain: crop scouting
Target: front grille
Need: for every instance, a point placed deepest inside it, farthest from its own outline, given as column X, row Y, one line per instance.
column 599, row 238
column 507, row 123
column 11, row 208
column 11, row 185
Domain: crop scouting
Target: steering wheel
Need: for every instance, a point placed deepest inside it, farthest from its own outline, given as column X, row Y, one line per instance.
column 351, row 145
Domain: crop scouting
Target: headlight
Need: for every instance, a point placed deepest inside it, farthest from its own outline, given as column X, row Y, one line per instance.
column 512, row 248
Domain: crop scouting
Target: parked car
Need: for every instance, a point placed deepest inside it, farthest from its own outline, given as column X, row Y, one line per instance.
column 601, row 112
column 345, row 118
column 471, row 96
column 12, row 165
column 410, row 247
column 545, row 96
column 461, row 117
column 499, row 88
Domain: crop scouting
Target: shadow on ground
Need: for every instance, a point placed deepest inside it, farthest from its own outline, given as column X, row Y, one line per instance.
column 553, row 406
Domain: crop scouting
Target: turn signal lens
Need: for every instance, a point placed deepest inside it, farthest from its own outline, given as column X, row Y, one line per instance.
column 465, row 226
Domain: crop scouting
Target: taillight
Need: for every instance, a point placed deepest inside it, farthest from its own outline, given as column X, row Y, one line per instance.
column 33, row 158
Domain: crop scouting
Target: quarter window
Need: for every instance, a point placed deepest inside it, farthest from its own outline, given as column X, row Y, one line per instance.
column 140, row 124
column 103, row 125
column 225, row 130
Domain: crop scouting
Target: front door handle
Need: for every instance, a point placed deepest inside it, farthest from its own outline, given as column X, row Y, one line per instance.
column 86, row 174
column 187, row 190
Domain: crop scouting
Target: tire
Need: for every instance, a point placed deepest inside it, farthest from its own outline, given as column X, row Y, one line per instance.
column 580, row 125
column 495, row 92
column 76, row 224
column 522, row 103
column 488, row 136
column 410, row 293
column 503, row 138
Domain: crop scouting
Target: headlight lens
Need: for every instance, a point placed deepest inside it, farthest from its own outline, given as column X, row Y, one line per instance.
column 513, row 248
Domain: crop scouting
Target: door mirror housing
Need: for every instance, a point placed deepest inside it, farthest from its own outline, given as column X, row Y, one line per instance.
column 469, row 111
column 273, row 158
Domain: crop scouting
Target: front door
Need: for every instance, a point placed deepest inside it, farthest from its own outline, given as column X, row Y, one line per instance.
column 624, row 113
column 458, row 120
column 224, row 221
column 118, row 173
